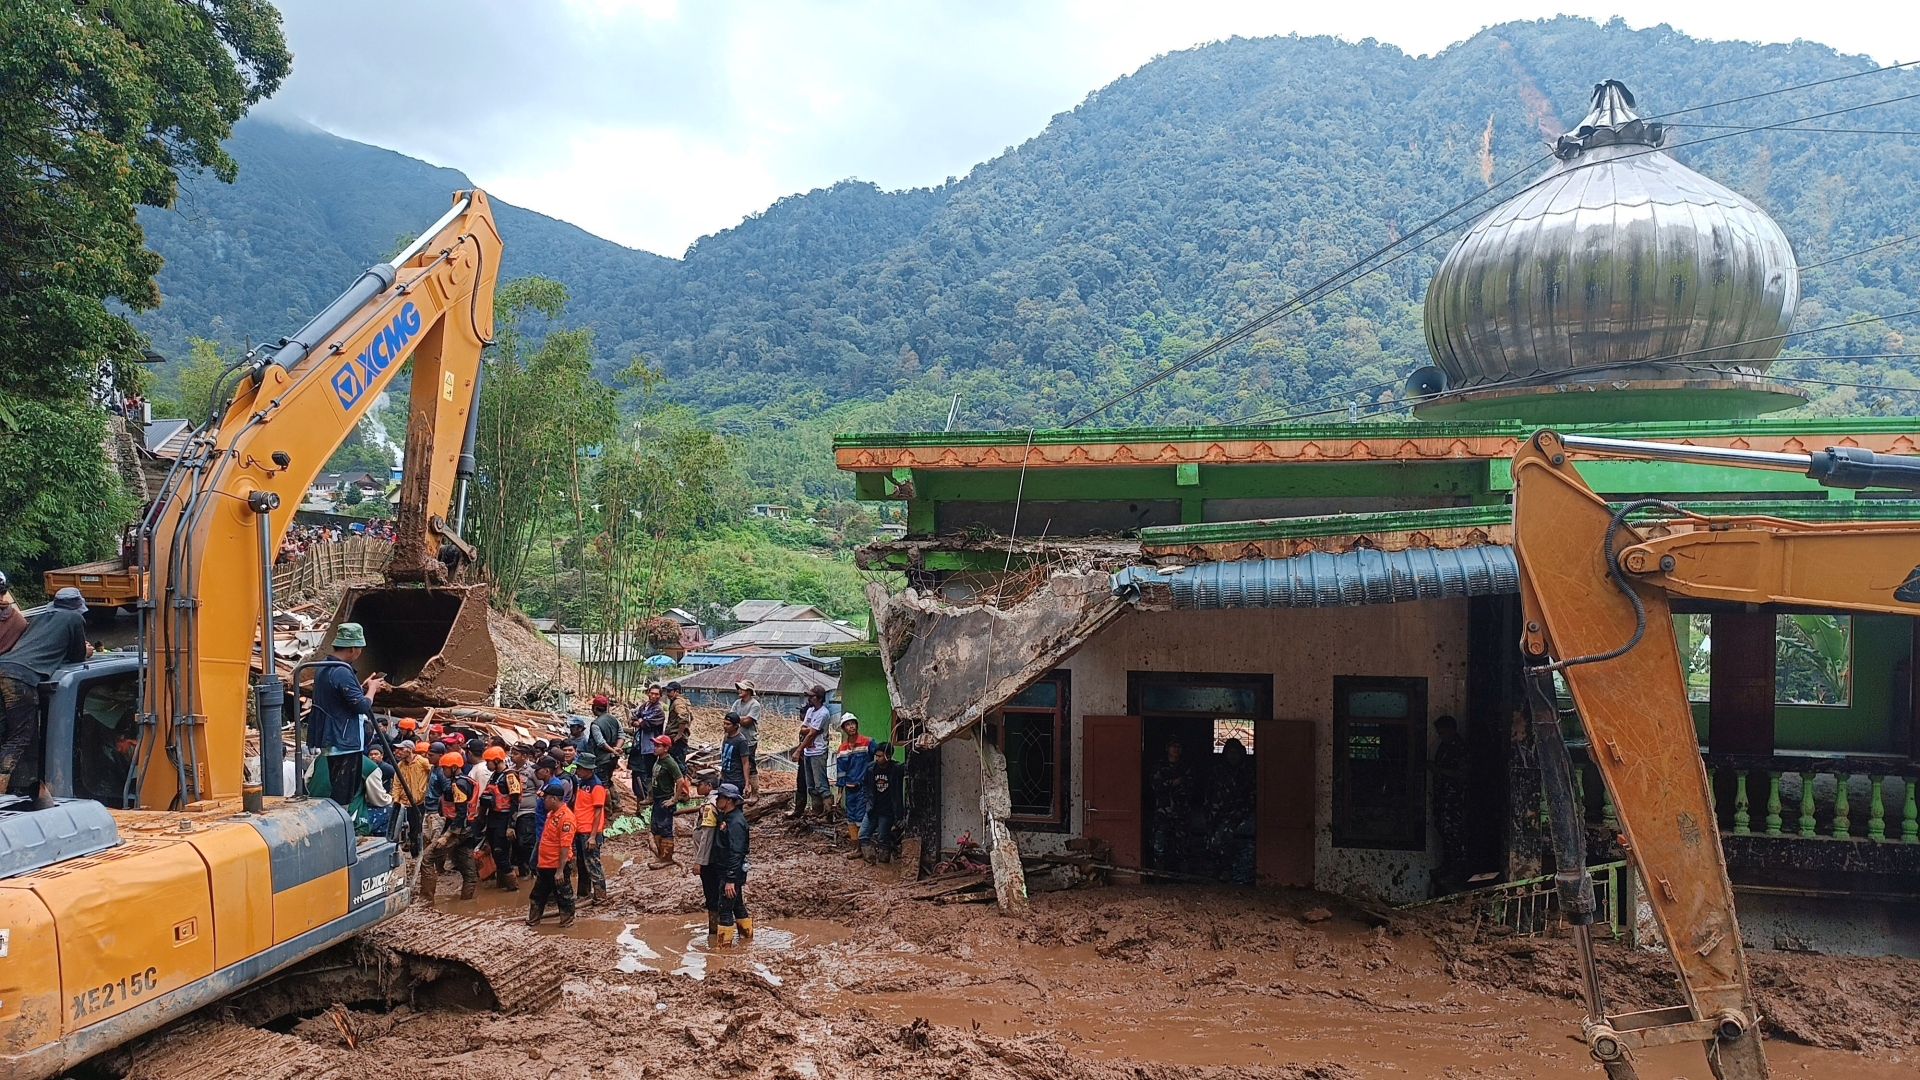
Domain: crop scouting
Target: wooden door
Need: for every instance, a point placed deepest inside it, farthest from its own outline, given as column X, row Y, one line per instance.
column 1110, row 791
column 1283, row 810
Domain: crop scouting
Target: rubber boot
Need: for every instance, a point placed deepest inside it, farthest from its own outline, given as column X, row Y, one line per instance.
column 870, row 852
column 726, row 936
column 468, row 888
column 853, row 834
column 599, row 893
column 535, row 912
column 744, row 924
column 713, row 926
column 506, row 880
column 663, row 854
column 566, row 920
column 429, row 884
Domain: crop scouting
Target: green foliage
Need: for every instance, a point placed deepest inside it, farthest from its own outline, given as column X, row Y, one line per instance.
column 361, row 452
column 101, row 106
column 60, row 501
column 541, row 411
column 1813, row 659
column 189, row 392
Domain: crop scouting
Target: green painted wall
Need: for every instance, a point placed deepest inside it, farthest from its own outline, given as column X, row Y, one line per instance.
column 1865, row 724
column 863, row 692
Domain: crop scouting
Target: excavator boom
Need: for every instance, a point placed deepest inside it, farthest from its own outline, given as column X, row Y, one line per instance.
column 1595, row 593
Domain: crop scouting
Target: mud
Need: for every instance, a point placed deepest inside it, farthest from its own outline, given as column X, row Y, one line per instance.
column 849, row 975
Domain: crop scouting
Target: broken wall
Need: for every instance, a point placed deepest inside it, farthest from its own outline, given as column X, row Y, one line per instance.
column 1303, row 649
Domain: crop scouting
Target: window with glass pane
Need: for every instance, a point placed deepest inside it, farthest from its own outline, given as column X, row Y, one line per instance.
column 1813, row 658
column 1034, row 738
column 1379, row 762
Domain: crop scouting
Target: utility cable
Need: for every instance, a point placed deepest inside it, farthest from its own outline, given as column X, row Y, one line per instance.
column 1862, row 251
column 1784, row 90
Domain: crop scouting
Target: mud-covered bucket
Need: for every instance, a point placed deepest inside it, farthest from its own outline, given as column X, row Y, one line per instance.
column 431, row 644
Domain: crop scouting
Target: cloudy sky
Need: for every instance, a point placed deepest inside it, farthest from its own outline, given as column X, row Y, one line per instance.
column 654, row 122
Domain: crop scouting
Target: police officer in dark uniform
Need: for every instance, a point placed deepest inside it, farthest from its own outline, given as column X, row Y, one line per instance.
column 1230, row 800
column 730, row 855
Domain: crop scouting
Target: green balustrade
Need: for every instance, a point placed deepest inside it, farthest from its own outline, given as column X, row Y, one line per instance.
column 1910, row 817
column 1806, row 804
column 1609, row 817
column 1742, row 813
column 1876, row 812
column 1842, row 824
column 1773, row 803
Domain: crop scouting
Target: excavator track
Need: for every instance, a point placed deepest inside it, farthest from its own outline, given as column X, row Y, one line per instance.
column 504, row 956
column 206, row 1048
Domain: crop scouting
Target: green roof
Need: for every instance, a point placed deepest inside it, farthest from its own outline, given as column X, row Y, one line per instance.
column 1412, row 429
column 1482, row 516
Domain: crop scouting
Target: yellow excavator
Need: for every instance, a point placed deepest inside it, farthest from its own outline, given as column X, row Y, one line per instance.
column 1595, row 595
column 146, row 878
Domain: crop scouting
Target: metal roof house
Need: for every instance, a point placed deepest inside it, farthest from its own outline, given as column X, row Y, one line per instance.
column 1079, row 601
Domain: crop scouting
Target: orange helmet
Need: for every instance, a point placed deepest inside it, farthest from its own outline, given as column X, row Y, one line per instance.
column 422, row 746
column 493, row 753
column 452, row 760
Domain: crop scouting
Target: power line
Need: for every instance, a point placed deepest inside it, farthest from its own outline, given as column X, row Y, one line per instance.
column 1783, row 90
column 1862, row 251
column 1822, row 131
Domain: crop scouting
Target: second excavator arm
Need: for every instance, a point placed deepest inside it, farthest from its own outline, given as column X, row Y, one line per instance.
column 1595, row 593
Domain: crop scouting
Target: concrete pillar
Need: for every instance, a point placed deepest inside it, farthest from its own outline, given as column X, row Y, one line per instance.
column 996, row 803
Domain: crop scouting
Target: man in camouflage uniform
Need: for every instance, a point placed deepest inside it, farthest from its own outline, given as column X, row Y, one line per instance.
column 1449, row 771
column 1230, row 804
column 1174, row 800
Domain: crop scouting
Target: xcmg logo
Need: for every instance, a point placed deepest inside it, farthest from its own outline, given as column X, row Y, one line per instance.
column 357, row 374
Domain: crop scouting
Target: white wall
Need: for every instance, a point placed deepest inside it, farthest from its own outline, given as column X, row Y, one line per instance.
column 1303, row 649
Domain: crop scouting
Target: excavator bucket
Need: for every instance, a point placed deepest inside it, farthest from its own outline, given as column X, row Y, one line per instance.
column 431, row 644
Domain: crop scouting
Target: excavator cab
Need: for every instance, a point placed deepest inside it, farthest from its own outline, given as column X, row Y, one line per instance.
column 431, row 643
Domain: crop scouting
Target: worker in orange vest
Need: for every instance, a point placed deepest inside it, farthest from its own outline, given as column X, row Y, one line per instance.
column 550, row 879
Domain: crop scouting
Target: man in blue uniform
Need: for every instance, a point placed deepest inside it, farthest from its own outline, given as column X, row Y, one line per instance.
column 342, row 705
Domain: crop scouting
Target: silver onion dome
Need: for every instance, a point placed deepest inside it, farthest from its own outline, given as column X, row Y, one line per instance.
column 1615, row 264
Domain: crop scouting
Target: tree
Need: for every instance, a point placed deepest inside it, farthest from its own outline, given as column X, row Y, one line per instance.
column 101, row 106
column 192, row 393
column 541, row 414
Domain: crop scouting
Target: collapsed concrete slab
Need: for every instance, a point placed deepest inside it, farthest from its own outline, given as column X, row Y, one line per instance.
column 949, row 665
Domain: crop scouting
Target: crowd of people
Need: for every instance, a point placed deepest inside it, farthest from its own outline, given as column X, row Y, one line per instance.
column 300, row 537
column 539, row 811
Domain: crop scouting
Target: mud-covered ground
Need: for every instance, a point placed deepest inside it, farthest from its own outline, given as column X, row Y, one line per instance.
column 852, row 975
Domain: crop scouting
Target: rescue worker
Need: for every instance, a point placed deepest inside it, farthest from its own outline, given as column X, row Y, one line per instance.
column 649, row 723
column 502, row 804
column 679, row 722
column 550, row 877
column 1173, row 793
column 810, row 786
column 603, row 740
column 748, row 709
column 526, row 834
column 590, row 826
column 410, row 776
column 736, row 754
column 886, row 781
column 342, row 704
column 577, row 733
column 13, row 621
column 704, row 828
column 459, row 816
column 53, row 639
column 1230, row 799
column 851, row 763
column 1449, row 771
column 730, row 853
column 666, row 793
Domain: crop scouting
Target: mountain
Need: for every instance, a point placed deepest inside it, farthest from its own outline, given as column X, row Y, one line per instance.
column 1169, row 205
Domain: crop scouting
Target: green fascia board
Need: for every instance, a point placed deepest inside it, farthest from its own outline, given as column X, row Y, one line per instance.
column 1453, row 476
column 1606, row 475
column 1847, row 425
column 1813, row 510
column 1445, row 517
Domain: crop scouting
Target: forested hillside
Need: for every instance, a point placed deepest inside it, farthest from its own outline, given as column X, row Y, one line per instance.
column 1167, row 206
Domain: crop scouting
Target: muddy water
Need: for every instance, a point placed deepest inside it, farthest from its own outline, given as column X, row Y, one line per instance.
column 1403, row 1020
